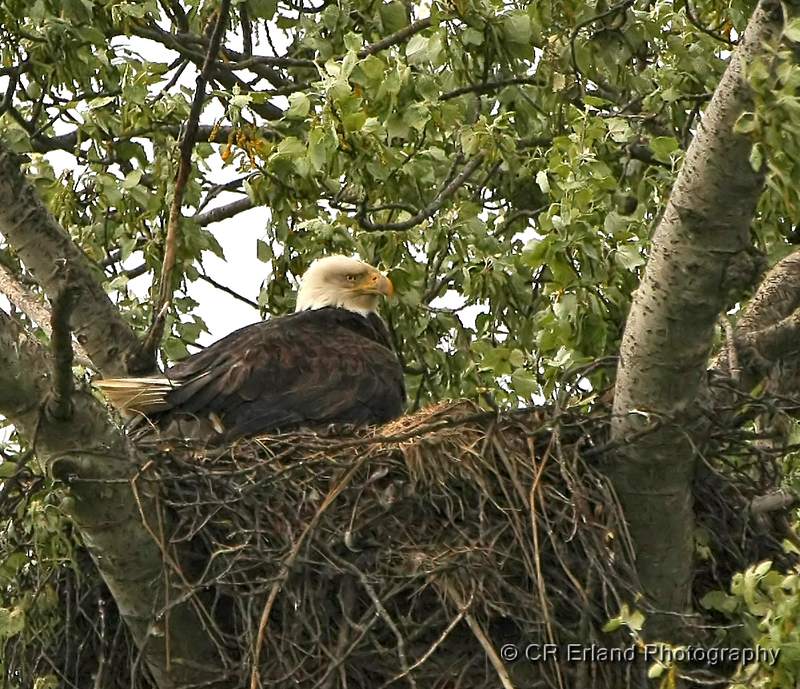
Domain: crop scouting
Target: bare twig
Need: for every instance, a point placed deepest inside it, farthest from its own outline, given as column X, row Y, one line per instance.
column 489, row 86
column 438, row 642
column 287, row 565
column 483, row 640
column 451, row 188
column 222, row 288
column 60, row 403
column 396, row 37
column 186, row 146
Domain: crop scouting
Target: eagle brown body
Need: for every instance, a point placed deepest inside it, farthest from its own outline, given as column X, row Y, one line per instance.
column 325, row 364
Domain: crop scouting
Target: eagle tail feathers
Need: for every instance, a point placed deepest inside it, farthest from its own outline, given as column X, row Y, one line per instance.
column 143, row 395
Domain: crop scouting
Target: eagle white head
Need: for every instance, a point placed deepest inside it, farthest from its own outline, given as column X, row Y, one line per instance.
column 343, row 282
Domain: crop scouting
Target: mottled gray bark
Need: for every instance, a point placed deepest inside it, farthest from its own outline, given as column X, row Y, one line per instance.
column 767, row 332
column 700, row 256
column 46, row 249
column 91, row 454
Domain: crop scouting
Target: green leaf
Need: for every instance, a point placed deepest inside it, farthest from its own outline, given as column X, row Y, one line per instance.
column 472, row 36
column 77, row 10
column 663, row 146
column 263, row 251
column 517, row 28
column 417, row 50
column 317, row 150
column 719, row 600
column 543, row 182
column 262, row 9
column 792, row 30
column 12, row 622
column 619, row 130
column 96, row 103
column 291, row 146
column 394, row 16
column 46, row 682
column 746, row 123
column 757, row 157
column 524, row 383
column 299, row 105
column 372, row 67
column 132, row 179
column 629, row 257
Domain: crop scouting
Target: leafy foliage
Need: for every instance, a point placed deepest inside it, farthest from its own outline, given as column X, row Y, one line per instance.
column 578, row 114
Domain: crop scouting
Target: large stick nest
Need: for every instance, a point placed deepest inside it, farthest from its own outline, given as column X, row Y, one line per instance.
column 404, row 555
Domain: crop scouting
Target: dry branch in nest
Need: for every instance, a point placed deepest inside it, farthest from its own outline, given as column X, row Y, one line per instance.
column 407, row 555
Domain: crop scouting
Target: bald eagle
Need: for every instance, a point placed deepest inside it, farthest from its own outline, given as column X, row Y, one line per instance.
column 330, row 362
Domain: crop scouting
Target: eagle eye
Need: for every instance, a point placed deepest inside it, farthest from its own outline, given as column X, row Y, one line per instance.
column 351, row 277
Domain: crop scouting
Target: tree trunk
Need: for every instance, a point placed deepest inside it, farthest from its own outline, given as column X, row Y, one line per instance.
column 700, row 256
column 91, row 454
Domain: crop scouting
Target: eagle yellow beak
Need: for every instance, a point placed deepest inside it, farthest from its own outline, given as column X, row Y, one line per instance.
column 378, row 283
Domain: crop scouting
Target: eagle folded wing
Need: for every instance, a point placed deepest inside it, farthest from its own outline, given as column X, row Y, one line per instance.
column 307, row 369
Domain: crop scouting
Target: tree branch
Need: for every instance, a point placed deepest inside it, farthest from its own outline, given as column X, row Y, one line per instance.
column 60, row 404
column 221, row 71
column 224, row 212
column 186, row 147
column 780, row 500
column 396, row 37
column 440, row 199
column 25, row 300
column 765, row 329
column 222, row 288
column 489, row 86
column 42, row 244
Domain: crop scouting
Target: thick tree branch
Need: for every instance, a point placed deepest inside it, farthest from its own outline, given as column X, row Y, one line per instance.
column 777, row 297
column 694, row 267
column 87, row 452
column 43, row 245
column 778, row 341
column 768, row 328
column 773, row 502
